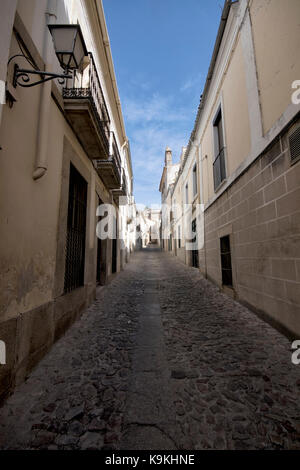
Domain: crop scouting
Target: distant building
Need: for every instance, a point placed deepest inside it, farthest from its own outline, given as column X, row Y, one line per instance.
column 169, row 175
column 148, row 221
column 155, row 223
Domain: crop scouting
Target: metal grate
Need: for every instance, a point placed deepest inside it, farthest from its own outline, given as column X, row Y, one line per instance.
column 294, row 140
column 114, row 248
column 93, row 92
column 170, row 243
column 226, row 261
column 76, row 231
column 195, row 254
column 99, row 252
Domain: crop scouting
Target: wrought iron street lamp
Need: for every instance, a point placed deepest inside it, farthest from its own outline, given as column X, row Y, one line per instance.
column 69, row 45
column 70, row 50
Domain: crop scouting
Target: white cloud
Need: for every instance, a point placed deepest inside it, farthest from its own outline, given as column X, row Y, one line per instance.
column 155, row 108
column 153, row 124
column 148, row 149
column 192, row 83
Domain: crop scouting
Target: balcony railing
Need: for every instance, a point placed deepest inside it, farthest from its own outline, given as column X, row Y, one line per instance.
column 114, row 151
column 87, row 112
column 122, row 191
column 110, row 169
column 86, row 87
column 219, row 168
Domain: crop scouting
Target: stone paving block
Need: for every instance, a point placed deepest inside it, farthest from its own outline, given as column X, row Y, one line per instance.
column 161, row 360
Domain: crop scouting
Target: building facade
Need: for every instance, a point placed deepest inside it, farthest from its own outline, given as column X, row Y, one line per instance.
column 241, row 166
column 154, row 216
column 147, row 226
column 169, row 175
column 64, row 153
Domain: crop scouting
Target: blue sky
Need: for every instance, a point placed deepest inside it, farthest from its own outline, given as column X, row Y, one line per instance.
column 161, row 51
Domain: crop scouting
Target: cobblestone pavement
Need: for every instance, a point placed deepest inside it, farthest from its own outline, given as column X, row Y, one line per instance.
column 161, row 360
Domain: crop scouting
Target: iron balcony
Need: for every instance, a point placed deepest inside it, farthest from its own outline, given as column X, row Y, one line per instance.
column 87, row 112
column 109, row 169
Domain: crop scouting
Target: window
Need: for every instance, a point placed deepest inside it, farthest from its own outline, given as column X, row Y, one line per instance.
column 195, row 260
column 114, row 248
column 170, row 243
column 179, row 237
column 219, row 160
column 226, row 261
column 186, row 193
column 76, row 229
column 100, row 257
column 195, row 189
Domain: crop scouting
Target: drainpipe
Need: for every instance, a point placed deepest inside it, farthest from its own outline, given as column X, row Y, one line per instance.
column 199, row 155
column 122, row 147
column 41, row 164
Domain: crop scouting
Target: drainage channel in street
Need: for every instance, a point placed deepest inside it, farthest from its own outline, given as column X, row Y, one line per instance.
column 149, row 419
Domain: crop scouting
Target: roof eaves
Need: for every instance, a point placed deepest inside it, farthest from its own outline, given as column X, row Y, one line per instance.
column 222, row 25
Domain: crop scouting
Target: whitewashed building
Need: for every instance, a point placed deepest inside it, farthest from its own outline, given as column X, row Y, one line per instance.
column 64, row 151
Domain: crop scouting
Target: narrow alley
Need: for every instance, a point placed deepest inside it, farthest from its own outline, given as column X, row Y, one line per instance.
column 161, row 360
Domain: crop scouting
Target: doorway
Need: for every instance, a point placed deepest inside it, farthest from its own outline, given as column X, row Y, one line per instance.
column 226, row 266
column 100, row 257
column 76, row 231
column 114, row 248
column 195, row 254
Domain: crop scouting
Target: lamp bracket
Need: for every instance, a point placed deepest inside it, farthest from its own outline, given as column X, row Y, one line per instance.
column 22, row 77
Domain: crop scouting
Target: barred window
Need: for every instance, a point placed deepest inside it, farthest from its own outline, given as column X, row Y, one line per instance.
column 76, row 231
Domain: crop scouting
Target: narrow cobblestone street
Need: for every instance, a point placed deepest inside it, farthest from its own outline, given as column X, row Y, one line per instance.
column 161, row 360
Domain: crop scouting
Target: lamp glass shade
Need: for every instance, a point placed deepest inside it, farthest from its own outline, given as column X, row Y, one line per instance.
column 69, row 45
column 79, row 52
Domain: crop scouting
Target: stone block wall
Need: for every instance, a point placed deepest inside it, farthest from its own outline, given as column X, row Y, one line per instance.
column 260, row 212
column 30, row 336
